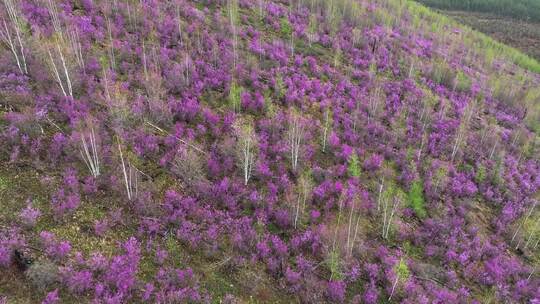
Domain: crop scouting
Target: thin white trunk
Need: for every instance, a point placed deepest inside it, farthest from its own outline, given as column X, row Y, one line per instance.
column 53, row 11
column 296, row 133
column 525, row 220
column 393, row 287
column 355, row 233
column 532, row 272
column 89, row 154
column 297, row 212
column 422, row 143
column 385, row 217
column 531, row 235
column 393, row 211
column 66, row 73
column 493, row 149
column 5, row 35
column 325, row 129
column 338, row 224
column 126, row 182
column 247, row 157
column 349, row 228
column 55, row 70
column 380, row 193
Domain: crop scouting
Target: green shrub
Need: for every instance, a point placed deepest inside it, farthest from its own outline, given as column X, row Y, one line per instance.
column 402, row 270
column 354, row 166
column 480, row 174
column 443, row 74
column 234, row 96
column 416, row 199
column 463, row 82
column 286, row 28
column 334, row 265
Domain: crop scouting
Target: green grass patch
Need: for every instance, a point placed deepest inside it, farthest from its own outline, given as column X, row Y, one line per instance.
column 416, row 199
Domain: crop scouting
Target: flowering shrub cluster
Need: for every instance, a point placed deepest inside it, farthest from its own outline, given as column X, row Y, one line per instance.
column 351, row 155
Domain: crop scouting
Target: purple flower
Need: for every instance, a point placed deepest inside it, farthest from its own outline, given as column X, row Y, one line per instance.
column 336, row 291
column 29, row 215
column 51, row 298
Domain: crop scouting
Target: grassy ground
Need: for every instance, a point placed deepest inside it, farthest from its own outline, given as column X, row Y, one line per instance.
column 520, row 34
column 18, row 184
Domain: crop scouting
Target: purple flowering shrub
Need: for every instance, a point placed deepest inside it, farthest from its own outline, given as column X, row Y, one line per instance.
column 182, row 145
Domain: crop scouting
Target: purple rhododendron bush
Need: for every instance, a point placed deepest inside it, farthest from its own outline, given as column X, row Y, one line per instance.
column 264, row 151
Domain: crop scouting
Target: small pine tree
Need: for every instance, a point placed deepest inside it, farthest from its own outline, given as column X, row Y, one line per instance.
column 286, row 28
column 234, row 96
column 354, row 166
column 416, row 199
column 280, row 87
column 402, row 274
column 402, row 270
column 334, row 264
column 480, row 174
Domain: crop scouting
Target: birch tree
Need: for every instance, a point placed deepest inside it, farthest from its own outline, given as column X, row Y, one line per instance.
column 402, row 274
column 523, row 222
column 235, row 91
column 354, row 220
column 425, row 119
column 304, row 190
column 295, row 136
column 463, row 127
column 233, row 19
column 65, row 53
column 392, row 198
column 89, row 153
column 312, row 31
column 62, row 78
column 246, row 149
column 131, row 176
column 11, row 34
column 326, row 128
column 374, row 104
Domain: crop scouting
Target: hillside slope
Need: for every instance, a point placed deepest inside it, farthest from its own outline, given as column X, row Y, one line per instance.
column 515, row 23
column 262, row 151
column 522, row 35
column 525, row 10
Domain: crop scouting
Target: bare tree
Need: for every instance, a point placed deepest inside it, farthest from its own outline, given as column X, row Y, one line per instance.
column 111, row 45
column 532, row 234
column 233, row 19
column 338, row 224
column 295, row 138
column 66, row 87
column 425, row 119
column 463, row 127
column 392, row 199
column 76, row 47
column 523, row 221
column 14, row 42
column 90, row 154
column 246, row 149
column 131, row 176
column 411, row 68
column 67, row 51
column 374, row 104
column 261, row 8
column 326, row 128
column 379, row 197
column 189, row 166
column 353, row 233
column 305, row 187
column 53, row 11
